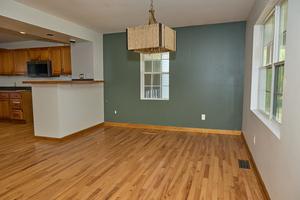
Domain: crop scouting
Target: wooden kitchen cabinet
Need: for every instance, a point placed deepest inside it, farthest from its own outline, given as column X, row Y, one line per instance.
column 20, row 57
column 4, row 109
column 66, row 60
column 38, row 53
column 14, row 62
column 16, row 106
column 6, row 62
column 56, row 60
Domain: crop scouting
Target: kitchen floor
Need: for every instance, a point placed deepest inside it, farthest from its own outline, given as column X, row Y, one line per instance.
column 123, row 163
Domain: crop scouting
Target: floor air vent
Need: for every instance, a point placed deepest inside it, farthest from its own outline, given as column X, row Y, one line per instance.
column 244, row 164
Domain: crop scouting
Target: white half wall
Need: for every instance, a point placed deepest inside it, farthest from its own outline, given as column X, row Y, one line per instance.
column 64, row 109
column 277, row 160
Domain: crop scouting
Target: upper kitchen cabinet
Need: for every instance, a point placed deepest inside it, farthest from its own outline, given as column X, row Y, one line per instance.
column 38, row 53
column 20, row 57
column 55, row 55
column 14, row 62
column 6, row 62
column 66, row 60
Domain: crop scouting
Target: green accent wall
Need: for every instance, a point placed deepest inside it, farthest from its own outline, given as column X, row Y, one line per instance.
column 206, row 76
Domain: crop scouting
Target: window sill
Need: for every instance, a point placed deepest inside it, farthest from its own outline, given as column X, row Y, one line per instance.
column 270, row 124
column 145, row 99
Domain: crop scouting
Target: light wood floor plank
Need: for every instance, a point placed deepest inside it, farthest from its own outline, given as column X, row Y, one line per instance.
column 124, row 163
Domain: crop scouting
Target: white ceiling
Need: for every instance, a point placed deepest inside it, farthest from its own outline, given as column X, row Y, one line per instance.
column 115, row 15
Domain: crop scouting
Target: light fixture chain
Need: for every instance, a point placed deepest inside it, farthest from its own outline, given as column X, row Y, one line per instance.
column 152, row 19
column 151, row 5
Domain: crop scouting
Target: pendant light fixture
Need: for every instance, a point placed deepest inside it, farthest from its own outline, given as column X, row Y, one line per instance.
column 151, row 38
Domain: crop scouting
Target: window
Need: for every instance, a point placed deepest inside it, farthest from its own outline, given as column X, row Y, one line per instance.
column 271, row 71
column 155, row 76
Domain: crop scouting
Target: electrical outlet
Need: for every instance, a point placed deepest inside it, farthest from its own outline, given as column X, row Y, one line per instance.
column 254, row 140
column 116, row 112
column 203, row 117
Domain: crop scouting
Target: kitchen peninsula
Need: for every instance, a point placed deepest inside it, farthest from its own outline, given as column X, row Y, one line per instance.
column 64, row 107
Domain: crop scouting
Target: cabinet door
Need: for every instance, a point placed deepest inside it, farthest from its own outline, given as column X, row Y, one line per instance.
column 34, row 54
column 38, row 54
column 66, row 60
column 6, row 62
column 21, row 58
column 56, row 61
column 4, row 109
column 44, row 53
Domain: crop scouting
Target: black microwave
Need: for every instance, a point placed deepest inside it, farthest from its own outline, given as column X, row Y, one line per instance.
column 39, row 68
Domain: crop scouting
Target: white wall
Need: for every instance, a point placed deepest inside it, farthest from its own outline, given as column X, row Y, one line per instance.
column 82, row 59
column 278, row 160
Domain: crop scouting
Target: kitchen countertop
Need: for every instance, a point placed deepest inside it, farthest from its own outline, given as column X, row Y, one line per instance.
column 12, row 88
column 62, row 81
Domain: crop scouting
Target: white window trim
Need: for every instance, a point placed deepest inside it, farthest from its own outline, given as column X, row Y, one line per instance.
column 142, row 86
column 257, row 63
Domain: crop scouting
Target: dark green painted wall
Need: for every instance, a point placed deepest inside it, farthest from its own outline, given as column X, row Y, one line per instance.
column 206, row 76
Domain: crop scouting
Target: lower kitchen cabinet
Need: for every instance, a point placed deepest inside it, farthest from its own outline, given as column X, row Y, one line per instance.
column 16, row 106
column 4, row 109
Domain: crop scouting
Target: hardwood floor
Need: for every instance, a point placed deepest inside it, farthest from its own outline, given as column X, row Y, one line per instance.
column 122, row 163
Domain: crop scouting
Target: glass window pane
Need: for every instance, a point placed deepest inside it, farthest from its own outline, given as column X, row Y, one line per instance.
column 147, row 92
column 156, row 79
column 157, row 66
column 165, row 79
column 265, row 87
column 165, row 92
column 268, row 54
column 268, row 40
column 278, row 108
column 269, row 30
column 148, row 66
column 165, row 65
column 269, row 79
column 156, row 92
column 282, row 33
column 278, row 93
column 262, row 89
column 147, row 79
column 268, row 90
column 279, row 76
column 268, row 102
